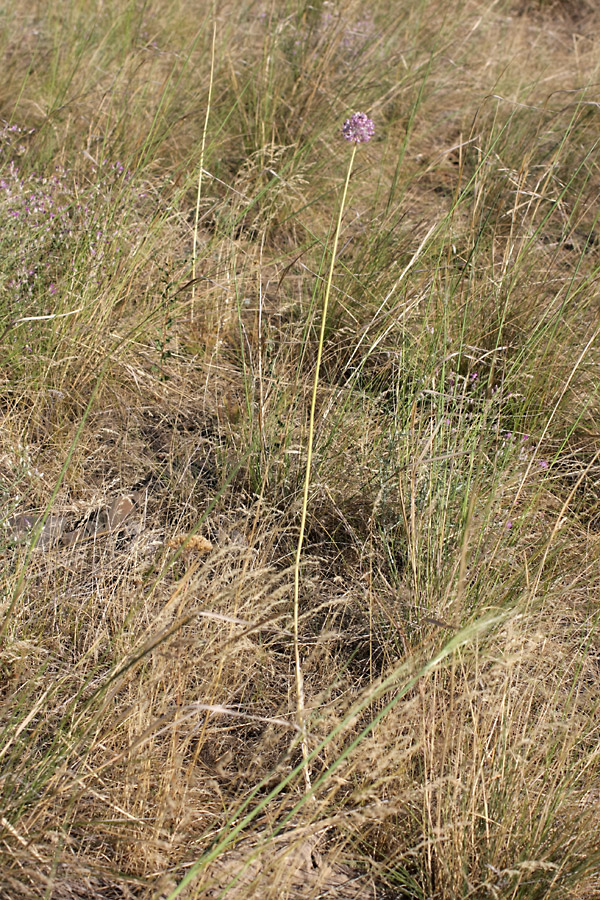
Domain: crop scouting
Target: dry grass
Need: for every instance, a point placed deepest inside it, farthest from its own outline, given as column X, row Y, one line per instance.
column 153, row 449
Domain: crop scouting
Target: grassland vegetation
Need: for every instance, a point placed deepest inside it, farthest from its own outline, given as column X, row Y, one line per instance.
column 419, row 718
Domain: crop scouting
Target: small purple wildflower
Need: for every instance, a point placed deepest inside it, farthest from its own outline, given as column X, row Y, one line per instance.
column 47, row 218
column 358, row 128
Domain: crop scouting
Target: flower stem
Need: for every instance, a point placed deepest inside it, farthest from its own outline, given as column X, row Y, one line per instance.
column 201, row 169
column 311, row 430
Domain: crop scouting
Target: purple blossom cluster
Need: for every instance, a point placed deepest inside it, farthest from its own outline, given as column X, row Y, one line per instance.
column 358, row 128
column 523, row 446
column 350, row 34
column 55, row 227
column 358, row 33
column 355, row 34
column 12, row 139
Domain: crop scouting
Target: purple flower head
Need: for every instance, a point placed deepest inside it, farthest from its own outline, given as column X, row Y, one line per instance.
column 358, row 128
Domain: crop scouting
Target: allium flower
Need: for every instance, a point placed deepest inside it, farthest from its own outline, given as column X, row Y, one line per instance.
column 358, row 128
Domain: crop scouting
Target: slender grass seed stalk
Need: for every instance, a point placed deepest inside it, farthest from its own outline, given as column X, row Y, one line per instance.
column 357, row 129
